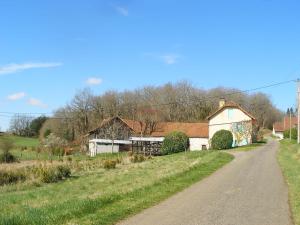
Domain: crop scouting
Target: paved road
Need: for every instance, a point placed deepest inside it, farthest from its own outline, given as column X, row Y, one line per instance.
column 248, row 191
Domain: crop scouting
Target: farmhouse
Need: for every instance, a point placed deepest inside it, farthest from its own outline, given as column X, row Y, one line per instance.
column 231, row 116
column 117, row 134
column 285, row 124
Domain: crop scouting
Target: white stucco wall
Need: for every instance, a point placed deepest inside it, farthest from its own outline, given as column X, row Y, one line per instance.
column 278, row 134
column 95, row 148
column 223, row 121
column 196, row 143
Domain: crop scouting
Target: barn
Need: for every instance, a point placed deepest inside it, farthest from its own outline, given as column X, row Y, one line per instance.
column 117, row 134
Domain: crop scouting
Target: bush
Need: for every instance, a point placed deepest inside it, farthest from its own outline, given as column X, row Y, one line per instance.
column 47, row 133
column 58, row 151
column 54, row 174
column 286, row 133
column 175, row 142
column 222, row 139
column 137, row 158
column 63, row 171
column 11, row 177
column 109, row 164
column 6, row 156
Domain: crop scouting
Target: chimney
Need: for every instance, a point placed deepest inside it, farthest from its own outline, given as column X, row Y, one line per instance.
column 221, row 103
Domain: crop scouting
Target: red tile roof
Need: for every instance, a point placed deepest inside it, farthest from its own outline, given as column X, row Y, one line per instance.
column 161, row 129
column 285, row 124
column 278, row 126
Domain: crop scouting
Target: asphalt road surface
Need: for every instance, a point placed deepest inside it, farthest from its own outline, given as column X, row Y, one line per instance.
column 248, row 191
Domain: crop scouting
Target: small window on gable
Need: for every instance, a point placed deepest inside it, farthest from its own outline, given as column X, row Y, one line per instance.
column 230, row 113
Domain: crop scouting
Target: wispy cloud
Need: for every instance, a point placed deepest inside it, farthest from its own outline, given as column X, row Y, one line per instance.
column 37, row 102
column 16, row 96
column 122, row 10
column 167, row 58
column 15, row 67
column 94, row 81
column 170, row 58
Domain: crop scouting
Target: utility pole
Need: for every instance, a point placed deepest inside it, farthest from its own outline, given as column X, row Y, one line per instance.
column 290, row 125
column 298, row 111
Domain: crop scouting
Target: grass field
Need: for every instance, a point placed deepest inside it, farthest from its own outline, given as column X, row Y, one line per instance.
column 289, row 160
column 102, row 196
column 21, row 141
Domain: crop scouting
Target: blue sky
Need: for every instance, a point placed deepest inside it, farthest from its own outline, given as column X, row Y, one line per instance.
column 50, row 48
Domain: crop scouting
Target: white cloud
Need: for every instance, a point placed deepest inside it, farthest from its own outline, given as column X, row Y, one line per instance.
column 170, row 58
column 122, row 10
column 94, row 81
column 167, row 58
column 15, row 67
column 16, row 96
column 36, row 102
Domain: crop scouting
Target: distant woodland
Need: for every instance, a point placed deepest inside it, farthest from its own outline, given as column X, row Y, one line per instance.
column 182, row 102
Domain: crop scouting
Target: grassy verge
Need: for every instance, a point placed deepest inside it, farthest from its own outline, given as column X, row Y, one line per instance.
column 106, row 196
column 289, row 160
column 248, row 147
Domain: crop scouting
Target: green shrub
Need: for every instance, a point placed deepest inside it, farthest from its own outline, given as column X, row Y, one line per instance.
column 54, row 174
column 109, row 164
column 286, row 133
column 63, row 171
column 47, row 133
column 11, row 176
column 6, row 156
column 48, row 175
column 222, row 139
column 174, row 142
column 137, row 158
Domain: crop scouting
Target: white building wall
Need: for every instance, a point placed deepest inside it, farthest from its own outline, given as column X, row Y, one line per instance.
column 278, row 134
column 224, row 121
column 97, row 148
column 198, row 143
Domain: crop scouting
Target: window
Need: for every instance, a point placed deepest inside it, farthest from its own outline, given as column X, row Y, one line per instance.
column 230, row 114
column 204, row 147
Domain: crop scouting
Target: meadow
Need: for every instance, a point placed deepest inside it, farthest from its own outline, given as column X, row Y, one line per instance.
column 95, row 195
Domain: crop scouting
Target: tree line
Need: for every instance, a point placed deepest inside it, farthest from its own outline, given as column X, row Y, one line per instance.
column 180, row 102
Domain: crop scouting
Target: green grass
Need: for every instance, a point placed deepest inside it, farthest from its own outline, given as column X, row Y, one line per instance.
column 22, row 141
column 106, row 196
column 247, row 148
column 289, row 160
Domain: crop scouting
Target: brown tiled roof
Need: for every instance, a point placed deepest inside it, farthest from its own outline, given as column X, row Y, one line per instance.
column 161, row 129
column 190, row 129
column 286, row 122
column 230, row 104
column 278, row 126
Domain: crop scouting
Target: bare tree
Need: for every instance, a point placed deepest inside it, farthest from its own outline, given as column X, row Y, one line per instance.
column 20, row 125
